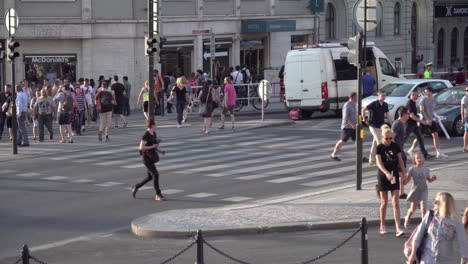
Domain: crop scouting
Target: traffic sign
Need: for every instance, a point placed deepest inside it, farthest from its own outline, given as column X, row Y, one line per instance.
column 374, row 14
column 11, row 21
column 264, row 88
column 207, row 55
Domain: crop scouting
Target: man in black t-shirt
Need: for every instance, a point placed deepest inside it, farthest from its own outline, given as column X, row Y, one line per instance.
column 120, row 96
column 413, row 126
column 378, row 110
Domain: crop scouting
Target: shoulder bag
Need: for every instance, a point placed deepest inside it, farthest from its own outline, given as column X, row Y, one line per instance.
column 420, row 250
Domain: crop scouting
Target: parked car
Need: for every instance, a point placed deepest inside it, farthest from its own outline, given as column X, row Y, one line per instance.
column 449, row 107
column 398, row 92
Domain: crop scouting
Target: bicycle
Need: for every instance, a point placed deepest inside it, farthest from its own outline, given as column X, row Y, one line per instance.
column 246, row 93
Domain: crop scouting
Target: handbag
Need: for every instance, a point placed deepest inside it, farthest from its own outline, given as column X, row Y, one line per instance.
column 153, row 156
column 420, row 250
column 171, row 100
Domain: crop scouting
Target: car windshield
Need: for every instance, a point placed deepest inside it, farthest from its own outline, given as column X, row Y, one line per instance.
column 450, row 97
column 396, row 89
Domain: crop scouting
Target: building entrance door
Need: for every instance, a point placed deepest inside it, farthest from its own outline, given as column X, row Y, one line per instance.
column 252, row 55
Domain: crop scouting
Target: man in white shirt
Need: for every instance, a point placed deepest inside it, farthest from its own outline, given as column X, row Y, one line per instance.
column 22, row 113
column 237, row 77
column 90, row 95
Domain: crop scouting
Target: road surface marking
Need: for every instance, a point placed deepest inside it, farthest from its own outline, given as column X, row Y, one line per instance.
column 108, row 184
column 201, row 195
column 55, row 178
column 28, row 174
column 236, row 199
column 82, row 181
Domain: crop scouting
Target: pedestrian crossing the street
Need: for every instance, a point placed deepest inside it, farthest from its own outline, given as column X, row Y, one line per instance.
column 243, row 157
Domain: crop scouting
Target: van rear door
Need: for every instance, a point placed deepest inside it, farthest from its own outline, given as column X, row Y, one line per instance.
column 311, row 80
column 293, row 77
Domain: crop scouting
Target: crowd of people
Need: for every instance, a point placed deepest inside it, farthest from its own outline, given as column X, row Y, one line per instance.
column 75, row 107
column 388, row 154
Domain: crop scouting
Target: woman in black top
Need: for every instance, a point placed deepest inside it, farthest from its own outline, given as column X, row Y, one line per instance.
column 148, row 144
column 391, row 168
column 208, row 96
column 180, row 92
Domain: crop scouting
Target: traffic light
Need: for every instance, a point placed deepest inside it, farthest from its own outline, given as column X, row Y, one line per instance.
column 12, row 54
column 354, row 50
column 2, row 52
column 153, row 45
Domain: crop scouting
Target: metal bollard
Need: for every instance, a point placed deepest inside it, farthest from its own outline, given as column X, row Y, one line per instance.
column 200, row 258
column 364, row 246
column 25, row 254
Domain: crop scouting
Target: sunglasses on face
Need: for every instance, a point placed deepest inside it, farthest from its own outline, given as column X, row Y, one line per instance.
column 388, row 138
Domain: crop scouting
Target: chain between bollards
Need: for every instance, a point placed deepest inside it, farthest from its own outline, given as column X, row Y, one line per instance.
column 364, row 245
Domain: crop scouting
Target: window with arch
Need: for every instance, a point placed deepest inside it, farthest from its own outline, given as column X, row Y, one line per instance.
column 465, row 47
column 453, row 45
column 440, row 46
column 396, row 19
column 379, row 28
column 330, row 21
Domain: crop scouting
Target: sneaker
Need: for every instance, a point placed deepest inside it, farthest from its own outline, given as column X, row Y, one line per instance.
column 335, row 158
column 465, row 150
column 428, row 156
column 62, row 141
column 441, row 155
column 207, row 132
column 71, row 140
column 179, row 126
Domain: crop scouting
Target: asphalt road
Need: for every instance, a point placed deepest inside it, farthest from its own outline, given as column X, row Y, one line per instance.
column 58, row 197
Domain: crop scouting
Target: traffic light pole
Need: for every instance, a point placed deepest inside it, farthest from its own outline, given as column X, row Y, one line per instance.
column 359, row 131
column 14, row 117
column 151, row 82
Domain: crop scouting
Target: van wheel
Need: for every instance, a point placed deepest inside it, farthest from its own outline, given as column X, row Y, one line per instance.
column 306, row 114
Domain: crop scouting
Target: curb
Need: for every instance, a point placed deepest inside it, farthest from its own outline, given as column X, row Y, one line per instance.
column 254, row 230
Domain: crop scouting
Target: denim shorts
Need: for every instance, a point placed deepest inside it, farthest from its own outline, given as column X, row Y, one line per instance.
column 466, row 124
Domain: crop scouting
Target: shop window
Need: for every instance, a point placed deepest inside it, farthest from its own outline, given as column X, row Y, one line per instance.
column 379, row 28
column 453, row 46
column 440, row 46
column 49, row 67
column 330, row 21
column 465, row 47
column 396, row 19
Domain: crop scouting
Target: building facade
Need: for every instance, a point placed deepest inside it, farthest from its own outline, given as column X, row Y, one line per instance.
column 89, row 38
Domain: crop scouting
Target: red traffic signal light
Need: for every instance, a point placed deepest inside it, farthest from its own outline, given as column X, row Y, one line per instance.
column 152, row 45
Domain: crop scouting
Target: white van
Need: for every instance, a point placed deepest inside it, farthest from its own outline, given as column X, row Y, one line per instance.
column 321, row 79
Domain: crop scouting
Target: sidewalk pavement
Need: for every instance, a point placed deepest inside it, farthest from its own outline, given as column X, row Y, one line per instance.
column 339, row 207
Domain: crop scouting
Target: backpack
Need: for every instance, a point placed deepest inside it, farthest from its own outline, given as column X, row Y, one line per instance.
column 43, row 108
column 244, row 76
column 67, row 105
column 106, row 99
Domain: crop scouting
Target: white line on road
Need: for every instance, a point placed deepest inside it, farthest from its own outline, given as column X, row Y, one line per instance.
column 28, row 174
column 201, row 195
column 55, row 178
column 82, row 181
column 237, row 199
column 108, row 184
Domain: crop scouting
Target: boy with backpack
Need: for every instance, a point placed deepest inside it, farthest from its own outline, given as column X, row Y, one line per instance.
column 104, row 104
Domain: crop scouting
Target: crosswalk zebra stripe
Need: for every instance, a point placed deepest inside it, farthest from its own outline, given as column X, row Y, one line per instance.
column 82, row 181
column 108, row 184
column 202, row 159
column 236, row 199
column 338, row 179
column 28, row 174
column 260, row 141
column 55, row 178
column 201, row 195
column 243, row 162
